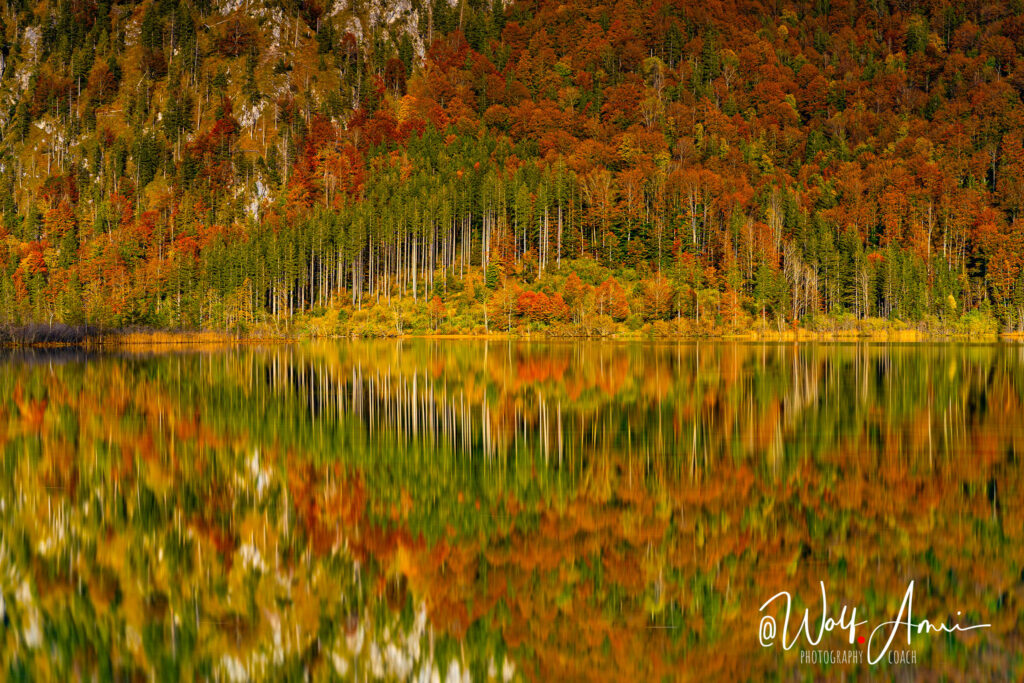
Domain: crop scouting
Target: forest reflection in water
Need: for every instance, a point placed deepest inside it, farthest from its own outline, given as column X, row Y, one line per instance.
column 503, row 510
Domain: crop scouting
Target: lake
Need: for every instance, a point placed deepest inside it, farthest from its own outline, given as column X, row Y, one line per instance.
column 492, row 510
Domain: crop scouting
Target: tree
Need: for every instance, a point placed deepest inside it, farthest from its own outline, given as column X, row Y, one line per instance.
column 437, row 312
column 503, row 301
column 493, row 278
column 730, row 311
column 610, row 299
column 658, row 296
column 575, row 296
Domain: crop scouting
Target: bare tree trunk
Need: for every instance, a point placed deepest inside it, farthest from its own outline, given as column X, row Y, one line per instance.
column 559, row 255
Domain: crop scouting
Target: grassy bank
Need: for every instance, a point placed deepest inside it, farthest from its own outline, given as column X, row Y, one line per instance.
column 59, row 335
column 329, row 326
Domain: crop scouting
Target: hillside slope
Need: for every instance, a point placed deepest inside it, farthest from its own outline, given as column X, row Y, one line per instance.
column 386, row 167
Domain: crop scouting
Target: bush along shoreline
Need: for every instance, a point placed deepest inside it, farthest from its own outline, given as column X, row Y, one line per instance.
column 581, row 300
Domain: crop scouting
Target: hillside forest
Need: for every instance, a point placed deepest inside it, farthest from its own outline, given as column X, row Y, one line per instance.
column 579, row 167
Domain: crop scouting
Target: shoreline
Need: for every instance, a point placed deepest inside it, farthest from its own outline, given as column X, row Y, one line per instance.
column 84, row 338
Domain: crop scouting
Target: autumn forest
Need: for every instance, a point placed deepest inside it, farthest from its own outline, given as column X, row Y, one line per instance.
column 649, row 267
column 582, row 168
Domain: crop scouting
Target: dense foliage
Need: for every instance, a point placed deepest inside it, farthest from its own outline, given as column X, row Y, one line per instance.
column 487, row 165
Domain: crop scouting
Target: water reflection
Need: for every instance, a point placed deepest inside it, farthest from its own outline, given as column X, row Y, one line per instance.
column 500, row 510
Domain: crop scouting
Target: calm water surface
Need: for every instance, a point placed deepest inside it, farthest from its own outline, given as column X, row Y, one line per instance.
column 453, row 510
